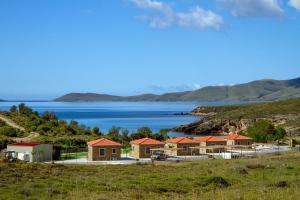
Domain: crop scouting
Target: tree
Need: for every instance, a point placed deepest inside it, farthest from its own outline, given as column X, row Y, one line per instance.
column 144, row 131
column 23, row 109
column 125, row 138
column 114, row 133
column 162, row 135
column 96, row 131
column 13, row 109
column 264, row 131
column 280, row 133
column 48, row 116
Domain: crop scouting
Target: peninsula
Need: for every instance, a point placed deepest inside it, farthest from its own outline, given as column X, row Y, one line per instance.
column 221, row 120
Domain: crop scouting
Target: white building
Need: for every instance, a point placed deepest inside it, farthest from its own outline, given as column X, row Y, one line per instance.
column 32, row 152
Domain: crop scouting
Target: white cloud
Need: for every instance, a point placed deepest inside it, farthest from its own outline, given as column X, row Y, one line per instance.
column 196, row 86
column 295, row 4
column 162, row 15
column 200, row 18
column 253, row 8
column 150, row 4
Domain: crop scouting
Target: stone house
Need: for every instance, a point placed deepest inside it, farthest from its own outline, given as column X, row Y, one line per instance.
column 235, row 139
column 141, row 148
column 182, row 146
column 211, row 144
column 104, row 149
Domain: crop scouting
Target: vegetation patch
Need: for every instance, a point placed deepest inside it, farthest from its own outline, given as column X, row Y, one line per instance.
column 68, row 135
column 264, row 131
column 240, row 170
column 184, row 180
column 256, row 166
column 281, row 184
column 215, row 182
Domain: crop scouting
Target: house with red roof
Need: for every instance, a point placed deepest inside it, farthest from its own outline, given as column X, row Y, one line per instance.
column 31, row 152
column 211, row 144
column 182, row 146
column 104, row 149
column 141, row 148
column 235, row 139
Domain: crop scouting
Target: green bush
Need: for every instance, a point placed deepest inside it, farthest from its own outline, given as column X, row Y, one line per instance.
column 8, row 131
column 264, row 131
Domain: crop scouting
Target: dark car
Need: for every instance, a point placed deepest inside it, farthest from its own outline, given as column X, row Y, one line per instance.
column 159, row 156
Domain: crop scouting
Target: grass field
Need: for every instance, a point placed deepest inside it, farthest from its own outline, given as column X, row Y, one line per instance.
column 74, row 155
column 272, row 177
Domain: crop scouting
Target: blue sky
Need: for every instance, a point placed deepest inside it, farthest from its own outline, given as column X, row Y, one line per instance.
column 52, row 47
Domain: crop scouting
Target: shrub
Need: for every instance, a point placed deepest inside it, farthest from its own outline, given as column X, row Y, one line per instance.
column 264, row 131
column 256, row 166
column 216, row 182
column 240, row 170
column 8, row 131
column 281, row 184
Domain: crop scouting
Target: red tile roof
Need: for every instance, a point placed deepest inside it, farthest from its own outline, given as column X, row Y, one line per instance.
column 103, row 142
column 24, row 144
column 147, row 141
column 210, row 139
column 181, row 140
column 237, row 137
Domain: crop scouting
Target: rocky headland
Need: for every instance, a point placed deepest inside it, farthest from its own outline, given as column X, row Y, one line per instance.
column 222, row 120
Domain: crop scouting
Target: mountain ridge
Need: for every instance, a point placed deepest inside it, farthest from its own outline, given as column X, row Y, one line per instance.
column 259, row 90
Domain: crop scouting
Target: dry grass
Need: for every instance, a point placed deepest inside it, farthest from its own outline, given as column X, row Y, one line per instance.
column 206, row 179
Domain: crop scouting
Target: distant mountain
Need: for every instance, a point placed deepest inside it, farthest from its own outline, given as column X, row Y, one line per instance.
column 261, row 90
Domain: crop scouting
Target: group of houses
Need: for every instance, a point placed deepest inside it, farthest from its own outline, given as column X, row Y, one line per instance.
column 105, row 149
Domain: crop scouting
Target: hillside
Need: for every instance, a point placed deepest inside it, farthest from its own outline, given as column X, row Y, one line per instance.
column 236, row 118
column 262, row 90
column 23, row 124
column 269, row 177
column 102, row 97
column 87, row 97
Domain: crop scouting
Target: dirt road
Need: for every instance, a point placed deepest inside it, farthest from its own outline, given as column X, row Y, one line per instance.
column 9, row 122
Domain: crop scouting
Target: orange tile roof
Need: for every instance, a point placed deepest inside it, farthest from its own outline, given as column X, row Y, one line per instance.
column 210, row 139
column 237, row 137
column 182, row 140
column 103, row 142
column 147, row 141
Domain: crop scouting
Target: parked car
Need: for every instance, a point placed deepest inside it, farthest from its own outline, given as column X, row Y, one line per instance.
column 159, row 156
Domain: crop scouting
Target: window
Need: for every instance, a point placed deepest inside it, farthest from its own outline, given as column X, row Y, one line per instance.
column 147, row 150
column 212, row 144
column 238, row 143
column 185, row 148
column 102, row 152
column 114, row 151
